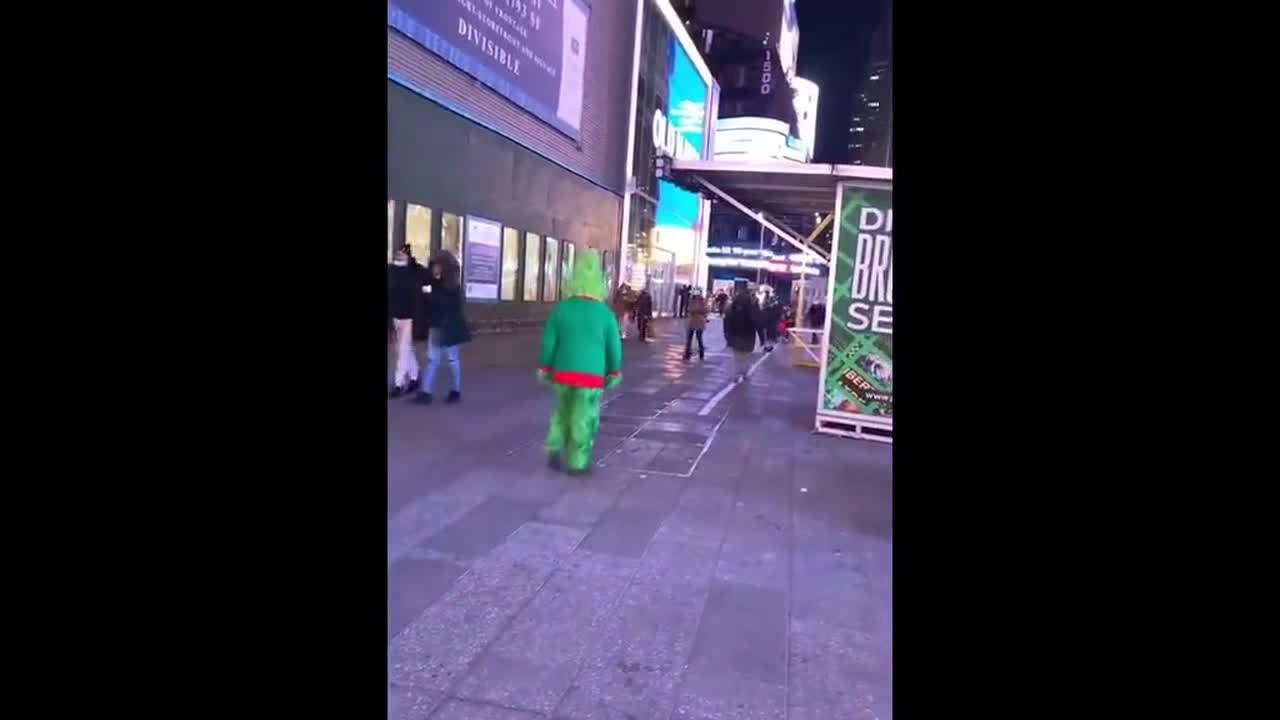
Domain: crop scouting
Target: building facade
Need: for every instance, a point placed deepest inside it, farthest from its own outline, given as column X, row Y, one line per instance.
column 871, row 127
column 507, row 132
column 674, row 105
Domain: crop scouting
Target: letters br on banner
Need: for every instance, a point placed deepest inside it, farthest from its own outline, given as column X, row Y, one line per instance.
column 857, row 375
column 531, row 51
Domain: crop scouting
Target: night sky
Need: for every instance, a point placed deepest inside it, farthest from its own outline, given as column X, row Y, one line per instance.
column 834, row 40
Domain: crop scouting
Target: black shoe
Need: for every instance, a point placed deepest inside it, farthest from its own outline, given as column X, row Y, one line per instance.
column 412, row 386
column 454, row 396
column 702, row 355
column 422, row 398
column 553, row 461
column 397, row 391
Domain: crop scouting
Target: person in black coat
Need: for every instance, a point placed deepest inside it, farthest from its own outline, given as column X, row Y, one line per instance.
column 740, row 332
column 403, row 288
column 448, row 325
column 760, row 320
column 644, row 313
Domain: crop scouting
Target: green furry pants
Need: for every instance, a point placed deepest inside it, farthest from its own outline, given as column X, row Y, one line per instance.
column 574, row 423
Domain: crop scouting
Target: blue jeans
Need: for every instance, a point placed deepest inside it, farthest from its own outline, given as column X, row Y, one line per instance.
column 433, row 363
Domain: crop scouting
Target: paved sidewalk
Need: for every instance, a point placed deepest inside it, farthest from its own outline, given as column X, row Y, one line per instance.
column 721, row 562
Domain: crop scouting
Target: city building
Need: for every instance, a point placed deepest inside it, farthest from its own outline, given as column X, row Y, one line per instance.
column 521, row 132
column 871, row 126
column 506, row 134
column 673, row 106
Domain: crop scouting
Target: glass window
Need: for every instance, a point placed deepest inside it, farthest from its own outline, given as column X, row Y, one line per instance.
column 549, row 285
column 451, row 236
column 532, row 263
column 566, row 266
column 510, row 263
column 607, row 269
column 417, row 231
column 391, row 228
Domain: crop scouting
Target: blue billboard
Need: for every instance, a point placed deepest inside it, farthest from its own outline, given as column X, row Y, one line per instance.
column 531, row 51
column 685, row 135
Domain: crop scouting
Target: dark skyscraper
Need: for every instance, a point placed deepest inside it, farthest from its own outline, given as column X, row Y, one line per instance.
column 871, row 126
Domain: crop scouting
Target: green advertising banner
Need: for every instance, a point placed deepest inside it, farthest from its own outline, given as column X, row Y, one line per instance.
column 858, row 374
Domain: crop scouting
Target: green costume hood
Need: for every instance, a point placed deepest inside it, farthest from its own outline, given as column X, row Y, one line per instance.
column 587, row 277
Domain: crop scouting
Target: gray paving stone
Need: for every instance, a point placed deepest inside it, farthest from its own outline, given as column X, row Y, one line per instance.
column 455, row 709
column 743, row 630
column 727, row 696
column 651, row 491
column 635, row 669
column 412, row 585
column 533, row 662
column 624, row 531
column 436, row 648
column 754, row 558
column 672, row 437
column 410, row 703
column 634, row 453
column 483, row 528
column 666, row 464
column 585, row 504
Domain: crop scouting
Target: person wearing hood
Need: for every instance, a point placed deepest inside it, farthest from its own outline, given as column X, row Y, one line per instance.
column 404, row 285
column 581, row 357
column 448, row 326
column 740, row 332
column 697, row 322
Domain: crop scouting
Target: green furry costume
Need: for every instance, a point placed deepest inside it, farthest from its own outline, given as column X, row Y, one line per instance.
column 581, row 356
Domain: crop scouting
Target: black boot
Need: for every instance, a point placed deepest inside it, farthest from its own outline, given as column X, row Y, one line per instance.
column 553, row 461
column 397, row 391
column 454, row 396
column 412, row 386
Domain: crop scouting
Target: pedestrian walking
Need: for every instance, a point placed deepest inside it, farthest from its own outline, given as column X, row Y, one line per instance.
column 581, row 357
column 448, row 326
column 682, row 301
column 773, row 319
column 816, row 317
column 404, row 286
column 644, row 314
column 696, row 324
column 624, row 301
column 760, row 320
column 722, row 300
column 740, row 332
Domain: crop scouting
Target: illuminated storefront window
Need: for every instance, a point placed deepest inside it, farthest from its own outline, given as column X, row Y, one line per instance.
column 510, row 262
column 550, row 286
column 532, row 263
column 417, row 231
column 451, row 235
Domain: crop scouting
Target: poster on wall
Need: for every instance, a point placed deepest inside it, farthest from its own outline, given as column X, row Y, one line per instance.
column 857, row 372
column 482, row 268
column 531, row 51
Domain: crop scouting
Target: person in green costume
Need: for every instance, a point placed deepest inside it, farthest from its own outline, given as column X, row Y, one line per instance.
column 581, row 357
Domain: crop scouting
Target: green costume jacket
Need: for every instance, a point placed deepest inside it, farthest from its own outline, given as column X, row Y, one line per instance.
column 581, row 344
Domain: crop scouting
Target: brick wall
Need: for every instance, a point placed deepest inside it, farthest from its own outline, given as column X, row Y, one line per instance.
column 601, row 152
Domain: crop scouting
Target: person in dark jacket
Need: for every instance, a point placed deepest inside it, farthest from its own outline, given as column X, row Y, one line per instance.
column 740, row 332
column 403, row 288
column 644, row 313
column 760, row 320
column 816, row 318
column 448, row 326
column 773, row 314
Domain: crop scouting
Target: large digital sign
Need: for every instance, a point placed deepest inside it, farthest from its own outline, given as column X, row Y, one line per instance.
column 531, row 51
column 683, row 136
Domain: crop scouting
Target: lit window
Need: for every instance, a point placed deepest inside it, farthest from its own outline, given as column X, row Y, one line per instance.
column 874, row 77
column 873, row 104
column 550, row 286
column 532, row 263
column 391, row 227
column 451, row 235
column 417, row 232
column 566, row 263
column 510, row 262
column 859, row 129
